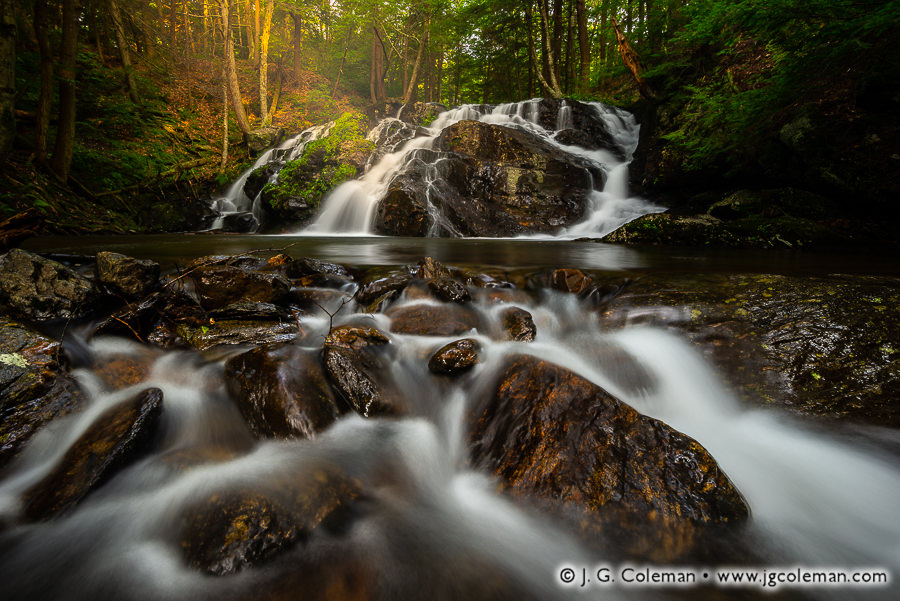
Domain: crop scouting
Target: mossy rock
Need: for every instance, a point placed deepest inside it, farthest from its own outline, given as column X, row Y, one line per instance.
column 324, row 165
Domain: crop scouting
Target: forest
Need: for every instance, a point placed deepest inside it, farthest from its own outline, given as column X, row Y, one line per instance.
column 103, row 99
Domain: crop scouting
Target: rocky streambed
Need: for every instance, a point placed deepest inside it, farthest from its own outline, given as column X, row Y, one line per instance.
column 364, row 432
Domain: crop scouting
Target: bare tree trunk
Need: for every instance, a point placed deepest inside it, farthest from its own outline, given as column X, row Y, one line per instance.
column 584, row 74
column 337, row 80
column 224, row 117
column 188, row 35
column 298, row 54
column 257, row 31
column 410, row 94
column 264, row 63
column 553, row 90
column 65, row 134
column 231, row 68
column 557, row 39
column 632, row 62
column 124, row 53
column 7, row 75
column 45, row 98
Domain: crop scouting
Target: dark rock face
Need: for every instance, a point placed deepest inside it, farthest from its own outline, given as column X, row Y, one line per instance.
column 455, row 358
column 221, row 285
column 355, row 362
column 495, row 181
column 432, row 320
column 420, row 113
column 282, row 391
column 813, row 345
column 130, row 277
column 640, row 481
column 518, row 325
column 33, row 387
column 115, row 439
column 262, row 138
column 235, row 530
column 39, row 288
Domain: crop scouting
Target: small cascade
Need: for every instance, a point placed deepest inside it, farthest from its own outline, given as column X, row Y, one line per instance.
column 236, row 202
column 349, row 209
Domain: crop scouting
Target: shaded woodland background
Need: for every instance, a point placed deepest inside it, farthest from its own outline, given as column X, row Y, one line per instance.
column 112, row 112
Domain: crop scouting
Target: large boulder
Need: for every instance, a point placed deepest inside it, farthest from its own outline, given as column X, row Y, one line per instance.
column 38, row 288
column 115, row 439
column 33, row 387
column 222, row 285
column 130, row 277
column 495, row 181
column 281, row 390
column 824, row 346
column 549, row 433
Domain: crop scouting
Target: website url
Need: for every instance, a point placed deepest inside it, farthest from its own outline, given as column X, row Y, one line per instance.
column 770, row 578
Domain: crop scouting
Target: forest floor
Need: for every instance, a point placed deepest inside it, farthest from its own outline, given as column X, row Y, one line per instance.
column 147, row 167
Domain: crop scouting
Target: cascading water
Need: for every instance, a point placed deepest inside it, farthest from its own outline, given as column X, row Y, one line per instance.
column 349, row 209
column 432, row 527
column 236, row 202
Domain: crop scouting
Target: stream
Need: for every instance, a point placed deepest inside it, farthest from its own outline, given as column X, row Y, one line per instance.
column 431, row 525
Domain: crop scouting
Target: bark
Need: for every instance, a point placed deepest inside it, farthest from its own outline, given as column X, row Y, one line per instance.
column 551, row 61
column 264, row 63
column 632, row 62
column 188, row 35
column 65, row 135
column 410, row 95
column 7, row 75
column 298, row 55
column 552, row 88
column 557, row 39
column 124, row 53
column 584, row 74
column 340, row 72
column 45, row 97
column 257, row 32
column 224, row 118
column 231, row 69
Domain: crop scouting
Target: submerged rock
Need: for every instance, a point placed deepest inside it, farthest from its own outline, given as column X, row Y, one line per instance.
column 39, row 288
column 133, row 278
column 33, row 387
column 356, row 362
column 549, row 433
column 518, row 325
column 433, row 320
column 281, row 390
column 114, row 440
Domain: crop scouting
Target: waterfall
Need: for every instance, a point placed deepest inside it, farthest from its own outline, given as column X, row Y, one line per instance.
column 349, row 208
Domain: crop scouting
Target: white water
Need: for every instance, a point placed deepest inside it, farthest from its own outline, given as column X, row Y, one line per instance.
column 349, row 209
column 434, row 527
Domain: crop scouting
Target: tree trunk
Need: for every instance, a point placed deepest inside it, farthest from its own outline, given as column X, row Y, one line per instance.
column 188, row 34
column 557, row 39
column 264, row 64
column 124, row 53
column 553, row 86
column 224, row 118
column 257, row 32
column 554, row 91
column 337, row 80
column 632, row 62
column 410, row 94
column 231, row 69
column 298, row 54
column 45, row 98
column 7, row 75
column 65, row 134
column 584, row 74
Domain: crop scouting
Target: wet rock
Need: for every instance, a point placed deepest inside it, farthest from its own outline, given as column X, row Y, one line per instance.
column 428, row 268
column 252, row 311
column 551, row 434
column 421, row 113
column 236, row 331
column 455, row 358
column 258, row 178
column 34, row 389
column 448, row 289
column 386, row 287
column 309, row 266
column 262, row 138
column 574, row 281
column 402, row 211
column 118, row 371
column 222, row 285
column 816, row 345
column 588, row 129
column 133, row 278
column 241, row 223
column 282, row 392
column 319, row 300
column 39, row 288
column 433, row 320
column 356, row 362
column 115, row 439
column 518, row 325
column 233, row 530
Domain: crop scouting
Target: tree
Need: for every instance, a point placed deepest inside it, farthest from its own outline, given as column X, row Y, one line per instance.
column 7, row 75
column 45, row 97
column 264, row 63
column 65, row 133
column 124, row 53
column 231, row 68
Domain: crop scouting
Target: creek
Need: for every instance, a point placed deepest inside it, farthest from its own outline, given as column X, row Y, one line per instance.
column 431, row 524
